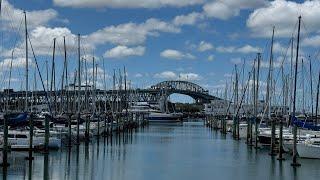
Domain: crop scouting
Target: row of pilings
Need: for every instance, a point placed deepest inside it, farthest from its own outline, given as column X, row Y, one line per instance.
column 107, row 127
column 231, row 124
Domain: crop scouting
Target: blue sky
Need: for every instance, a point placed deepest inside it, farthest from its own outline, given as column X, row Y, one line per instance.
column 157, row 40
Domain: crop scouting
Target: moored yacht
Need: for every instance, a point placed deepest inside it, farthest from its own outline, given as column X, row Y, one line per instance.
column 310, row 148
column 19, row 140
column 165, row 117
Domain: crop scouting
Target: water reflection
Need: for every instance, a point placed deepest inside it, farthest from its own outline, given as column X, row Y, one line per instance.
column 183, row 151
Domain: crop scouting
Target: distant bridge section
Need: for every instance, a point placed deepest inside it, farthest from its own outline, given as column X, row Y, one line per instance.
column 193, row 90
column 154, row 94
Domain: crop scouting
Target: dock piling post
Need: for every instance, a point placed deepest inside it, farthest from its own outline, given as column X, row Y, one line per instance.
column 5, row 163
column 46, row 138
column 69, row 130
column 30, row 138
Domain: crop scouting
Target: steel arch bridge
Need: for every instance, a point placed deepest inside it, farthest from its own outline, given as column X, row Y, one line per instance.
column 198, row 93
column 152, row 95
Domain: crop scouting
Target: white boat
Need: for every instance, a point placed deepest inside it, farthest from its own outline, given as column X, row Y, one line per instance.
column 310, row 148
column 165, row 117
column 141, row 108
column 19, row 140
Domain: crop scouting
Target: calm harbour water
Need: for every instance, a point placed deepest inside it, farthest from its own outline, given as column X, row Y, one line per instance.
column 187, row 151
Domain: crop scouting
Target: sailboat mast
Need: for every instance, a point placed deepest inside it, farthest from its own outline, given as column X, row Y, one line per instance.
column 52, row 88
column 79, row 76
column 9, row 83
column 311, row 86
column 303, row 89
column 105, row 86
column 27, row 61
column 93, row 86
column 317, row 102
column 269, row 83
column 62, row 78
column 294, row 157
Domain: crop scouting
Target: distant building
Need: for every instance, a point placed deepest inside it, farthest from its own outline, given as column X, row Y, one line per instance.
column 220, row 107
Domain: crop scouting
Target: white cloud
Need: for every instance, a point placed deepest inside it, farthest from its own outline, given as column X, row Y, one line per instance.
column 182, row 76
column 138, row 75
column 211, row 57
column 313, row 41
column 42, row 41
column 189, row 19
column 166, row 75
column 189, row 76
column 123, row 34
column 204, row 46
column 16, row 63
column 124, row 51
column 228, row 8
column 226, row 49
column 284, row 15
column 12, row 17
column 125, row 3
column 174, row 54
column 246, row 49
column 131, row 33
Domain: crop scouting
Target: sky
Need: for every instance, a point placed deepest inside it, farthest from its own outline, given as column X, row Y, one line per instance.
column 156, row 40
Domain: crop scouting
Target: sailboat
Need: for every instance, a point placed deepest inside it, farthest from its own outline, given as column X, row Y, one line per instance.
column 310, row 148
column 166, row 116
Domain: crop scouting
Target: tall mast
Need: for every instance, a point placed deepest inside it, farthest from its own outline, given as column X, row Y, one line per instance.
column 79, row 91
column 125, row 91
column 79, row 75
column 317, row 102
column 303, row 89
column 291, row 74
column 93, row 86
column 27, row 61
column 294, row 157
column 105, row 86
column 256, row 99
column 65, row 74
column 269, row 83
column 311, row 86
column 62, row 78
column 53, row 74
column 47, row 74
column 9, row 83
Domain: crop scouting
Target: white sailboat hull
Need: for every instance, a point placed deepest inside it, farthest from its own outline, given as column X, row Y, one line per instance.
column 308, row 151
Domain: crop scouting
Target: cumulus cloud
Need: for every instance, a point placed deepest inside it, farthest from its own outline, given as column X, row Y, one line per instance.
column 189, row 76
column 122, row 35
column 42, row 41
column 166, row 75
column 138, row 75
column 131, row 33
column 262, row 19
column 124, row 51
column 174, row 54
column 246, row 49
column 12, row 17
column 228, row 8
column 125, row 3
column 313, row 41
column 205, row 46
column 16, row 63
column 189, row 19
column 182, row 76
